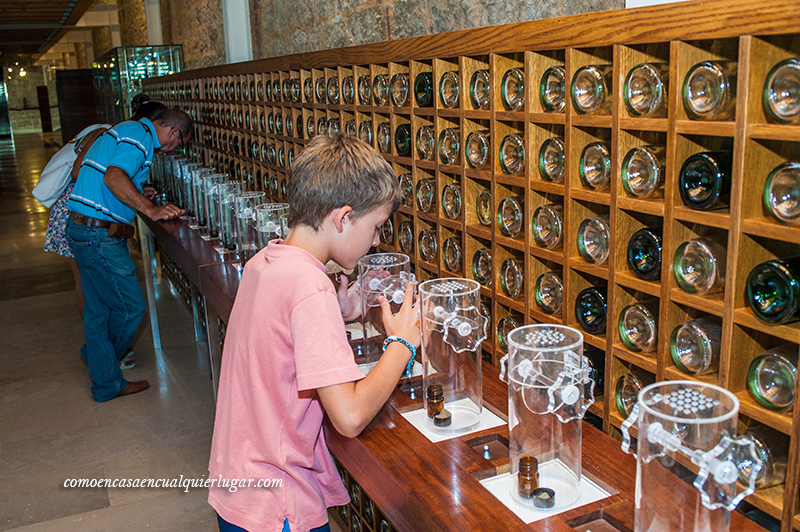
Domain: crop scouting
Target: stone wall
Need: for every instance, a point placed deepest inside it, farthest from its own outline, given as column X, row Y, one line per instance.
column 197, row 25
column 23, row 101
column 281, row 27
column 101, row 40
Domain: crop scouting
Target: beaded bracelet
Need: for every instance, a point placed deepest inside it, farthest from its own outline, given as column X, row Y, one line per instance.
column 390, row 339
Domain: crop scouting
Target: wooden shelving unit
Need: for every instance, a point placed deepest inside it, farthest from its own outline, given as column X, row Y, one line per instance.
column 243, row 112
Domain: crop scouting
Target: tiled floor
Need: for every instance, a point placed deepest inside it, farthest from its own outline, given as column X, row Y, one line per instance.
column 50, row 428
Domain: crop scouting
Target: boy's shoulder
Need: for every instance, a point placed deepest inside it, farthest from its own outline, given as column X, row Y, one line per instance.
column 291, row 270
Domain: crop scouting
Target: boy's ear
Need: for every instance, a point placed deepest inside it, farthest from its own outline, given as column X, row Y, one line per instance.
column 338, row 216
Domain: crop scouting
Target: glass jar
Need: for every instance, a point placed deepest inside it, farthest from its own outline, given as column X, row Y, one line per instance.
column 645, row 90
column 365, row 131
column 282, row 155
column 322, row 126
column 590, row 309
column 643, row 171
column 548, row 291
column 695, row 345
column 512, row 154
column 772, row 448
column 384, row 137
column 548, row 226
column 510, row 215
column 591, row 89
column 350, row 128
column 782, row 193
column 333, row 90
column 704, row 182
column 402, row 140
column 552, row 89
column 348, row 90
column 483, row 207
column 451, row 254
column 310, row 129
column 551, row 160
column 308, row 90
column 773, row 290
column 399, row 89
column 426, row 194
column 699, row 266
column 423, row 89
column 425, row 143
column 320, row 90
column 644, row 253
column 380, row 89
column 512, row 277
column 594, row 166
column 709, row 90
column 482, row 266
column 512, row 89
column 504, row 327
column 405, row 236
column 772, row 377
column 638, row 326
column 594, row 235
column 781, row 94
column 449, row 145
column 478, row 149
column 451, row 201
column 406, row 189
column 364, row 90
column 480, row 89
column 428, row 245
column 627, row 388
column 449, row 89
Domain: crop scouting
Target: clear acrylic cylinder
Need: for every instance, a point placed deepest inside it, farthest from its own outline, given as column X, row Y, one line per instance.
column 687, row 431
column 245, row 204
column 385, row 274
column 198, row 197
column 452, row 332
column 226, row 190
column 268, row 223
column 549, row 390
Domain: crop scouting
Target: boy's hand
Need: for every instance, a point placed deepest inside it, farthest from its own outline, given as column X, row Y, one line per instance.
column 405, row 323
column 349, row 299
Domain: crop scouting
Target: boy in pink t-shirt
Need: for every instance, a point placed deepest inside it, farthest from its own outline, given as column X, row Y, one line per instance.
column 286, row 360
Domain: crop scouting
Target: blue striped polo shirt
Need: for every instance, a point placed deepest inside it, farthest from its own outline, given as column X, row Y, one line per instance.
column 129, row 146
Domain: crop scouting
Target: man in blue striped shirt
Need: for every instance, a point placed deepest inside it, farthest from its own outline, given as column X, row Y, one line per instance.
column 104, row 202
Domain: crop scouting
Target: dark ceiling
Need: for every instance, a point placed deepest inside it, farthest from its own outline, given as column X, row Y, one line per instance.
column 27, row 27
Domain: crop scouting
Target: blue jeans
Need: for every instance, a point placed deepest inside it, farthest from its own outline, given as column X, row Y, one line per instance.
column 225, row 526
column 114, row 304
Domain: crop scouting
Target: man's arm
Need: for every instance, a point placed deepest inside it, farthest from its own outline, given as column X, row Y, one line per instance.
column 123, row 188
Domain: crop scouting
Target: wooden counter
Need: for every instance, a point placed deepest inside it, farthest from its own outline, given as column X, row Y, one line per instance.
column 416, row 484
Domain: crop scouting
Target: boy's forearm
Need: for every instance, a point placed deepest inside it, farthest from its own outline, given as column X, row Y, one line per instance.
column 351, row 406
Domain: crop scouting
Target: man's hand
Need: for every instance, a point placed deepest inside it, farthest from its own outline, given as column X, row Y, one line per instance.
column 149, row 192
column 165, row 212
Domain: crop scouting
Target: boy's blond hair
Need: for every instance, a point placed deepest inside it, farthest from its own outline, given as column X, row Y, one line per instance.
column 338, row 170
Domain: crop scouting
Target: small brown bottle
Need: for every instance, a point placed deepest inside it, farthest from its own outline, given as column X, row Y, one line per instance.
column 528, row 480
column 435, row 400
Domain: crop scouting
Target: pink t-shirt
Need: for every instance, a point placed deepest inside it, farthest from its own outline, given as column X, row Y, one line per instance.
column 285, row 339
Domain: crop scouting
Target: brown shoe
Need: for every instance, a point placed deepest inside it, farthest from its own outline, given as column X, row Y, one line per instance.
column 134, row 387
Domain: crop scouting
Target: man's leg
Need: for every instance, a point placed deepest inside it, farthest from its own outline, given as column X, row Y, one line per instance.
column 126, row 300
column 98, row 352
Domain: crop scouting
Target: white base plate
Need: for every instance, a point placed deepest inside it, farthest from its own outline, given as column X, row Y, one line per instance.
column 419, row 418
column 500, row 487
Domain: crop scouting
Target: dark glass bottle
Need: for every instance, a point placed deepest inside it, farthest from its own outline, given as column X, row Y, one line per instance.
column 402, row 140
column 597, row 362
column 773, row 290
column 705, row 180
column 423, row 89
column 644, row 253
column 590, row 309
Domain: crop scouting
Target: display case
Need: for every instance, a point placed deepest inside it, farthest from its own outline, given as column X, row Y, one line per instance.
column 118, row 76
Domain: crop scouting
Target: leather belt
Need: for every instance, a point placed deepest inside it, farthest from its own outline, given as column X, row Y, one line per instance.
column 114, row 228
